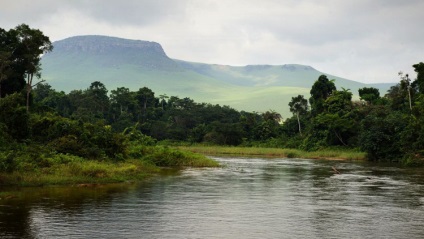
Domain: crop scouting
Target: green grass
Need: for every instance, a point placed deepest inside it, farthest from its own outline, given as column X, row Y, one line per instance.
column 171, row 157
column 60, row 169
column 345, row 154
column 81, row 173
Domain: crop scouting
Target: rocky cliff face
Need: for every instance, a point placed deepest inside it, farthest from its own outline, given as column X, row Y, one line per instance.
column 103, row 44
column 110, row 52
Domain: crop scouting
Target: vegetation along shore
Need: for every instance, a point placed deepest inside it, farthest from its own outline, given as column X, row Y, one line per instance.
column 333, row 154
column 96, row 136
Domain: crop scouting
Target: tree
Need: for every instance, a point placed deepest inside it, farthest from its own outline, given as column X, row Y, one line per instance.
column 145, row 97
column 30, row 44
column 14, row 116
column 162, row 98
column 402, row 95
column 6, row 61
column 419, row 68
column 4, row 67
column 369, row 94
column 405, row 84
column 338, row 117
column 321, row 90
column 380, row 134
column 45, row 96
column 298, row 106
column 98, row 93
column 272, row 116
column 122, row 98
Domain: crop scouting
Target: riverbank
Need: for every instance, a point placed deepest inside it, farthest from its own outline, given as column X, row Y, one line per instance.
column 331, row 154
column 143, row 162
column 63, row 169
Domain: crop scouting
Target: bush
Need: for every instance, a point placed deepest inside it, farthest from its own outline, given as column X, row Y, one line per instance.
column 7, row 162
column 380, row 136
column 14, row 116
column 164, row 156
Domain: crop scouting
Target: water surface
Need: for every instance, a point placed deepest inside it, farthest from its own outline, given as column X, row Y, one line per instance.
column 247, row 198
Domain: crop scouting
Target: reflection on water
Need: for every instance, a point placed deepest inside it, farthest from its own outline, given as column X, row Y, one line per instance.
column 247, row 198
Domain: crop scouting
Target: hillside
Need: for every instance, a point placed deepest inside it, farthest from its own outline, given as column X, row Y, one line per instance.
column 77, row 61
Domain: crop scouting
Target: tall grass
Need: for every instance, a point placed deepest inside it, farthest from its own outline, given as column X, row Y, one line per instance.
column 170, row 157
column 46, row 168
column 81, row 172
column 346, row 154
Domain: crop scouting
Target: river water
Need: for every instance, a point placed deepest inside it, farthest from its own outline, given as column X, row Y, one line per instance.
column 247, row 198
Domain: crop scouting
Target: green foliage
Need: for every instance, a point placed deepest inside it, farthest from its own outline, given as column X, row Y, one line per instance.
column 7, row 161
column 369, row 94
column 70, row 129
column 419, row 68
column 20, row 52
column 164, row 156
column 320, row 91
column 298, row 105
column 380, row 135
column 14, row 117
column 224, row 134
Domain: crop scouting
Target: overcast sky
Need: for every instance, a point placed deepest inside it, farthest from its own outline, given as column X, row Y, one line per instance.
column 362, row 40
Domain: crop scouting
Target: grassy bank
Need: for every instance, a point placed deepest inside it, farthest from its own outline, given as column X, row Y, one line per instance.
column 24, row 169
column 345, row 154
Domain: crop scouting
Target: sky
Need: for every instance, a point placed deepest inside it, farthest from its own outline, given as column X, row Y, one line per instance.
column 363, row 40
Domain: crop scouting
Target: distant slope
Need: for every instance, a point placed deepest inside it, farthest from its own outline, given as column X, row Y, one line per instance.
column 77, row 61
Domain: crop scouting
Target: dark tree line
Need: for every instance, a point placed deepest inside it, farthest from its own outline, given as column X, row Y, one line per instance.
column 96, row 123
column 388, row 128
column 163, row 117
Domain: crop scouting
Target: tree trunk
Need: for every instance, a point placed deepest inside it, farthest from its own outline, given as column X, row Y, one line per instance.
column 340, row 138
column 298, row 122
column 29, row 88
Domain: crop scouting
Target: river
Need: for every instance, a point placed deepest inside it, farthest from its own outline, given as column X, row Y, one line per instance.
column 247, row 198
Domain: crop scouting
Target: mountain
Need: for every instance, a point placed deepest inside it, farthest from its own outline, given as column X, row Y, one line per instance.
column 77, row 61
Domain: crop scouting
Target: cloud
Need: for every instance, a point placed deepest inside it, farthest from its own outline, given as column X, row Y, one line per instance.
column 361, row 40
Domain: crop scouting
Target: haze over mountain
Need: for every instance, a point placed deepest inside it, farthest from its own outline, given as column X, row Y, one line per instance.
column 77, row 61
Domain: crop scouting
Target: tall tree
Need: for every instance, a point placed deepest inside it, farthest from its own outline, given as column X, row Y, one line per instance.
column 299, row 106
column 162, row 98
column 405, row 84
column 338, row 117
column 98, row 92
column 123, row 98
column 4, row 67
column 145, row 97
column 30, row 45
column 9, row 64
column 419, row 68
column 369, row 94
column 321, row 90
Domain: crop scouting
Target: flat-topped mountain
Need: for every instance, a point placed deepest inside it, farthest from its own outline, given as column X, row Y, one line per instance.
column 105, row 44
column 77, row 61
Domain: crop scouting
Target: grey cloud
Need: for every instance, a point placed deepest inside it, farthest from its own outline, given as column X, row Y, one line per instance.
column 132, row 12
column 128, row 12
column 340, row 36
column 16, row 12
column 342, row 21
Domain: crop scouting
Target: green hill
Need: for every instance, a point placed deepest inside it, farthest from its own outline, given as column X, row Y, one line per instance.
column 77, row 61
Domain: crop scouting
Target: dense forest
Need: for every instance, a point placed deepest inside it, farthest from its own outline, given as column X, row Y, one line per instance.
column 96, row 123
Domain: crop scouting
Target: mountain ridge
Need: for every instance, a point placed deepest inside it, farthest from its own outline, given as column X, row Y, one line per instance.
column 77, row 61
